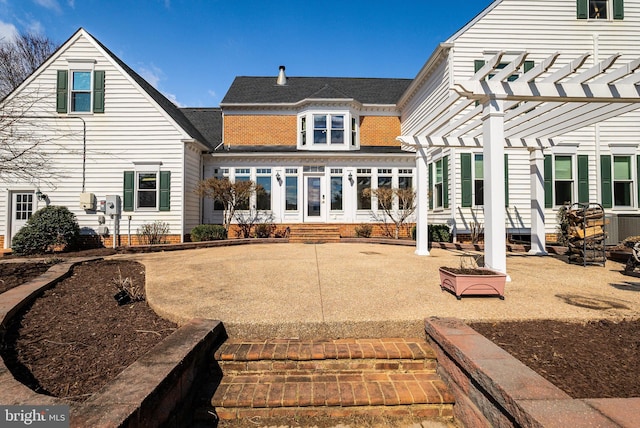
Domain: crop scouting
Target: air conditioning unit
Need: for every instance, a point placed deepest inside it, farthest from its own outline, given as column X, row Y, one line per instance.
column 88, row 201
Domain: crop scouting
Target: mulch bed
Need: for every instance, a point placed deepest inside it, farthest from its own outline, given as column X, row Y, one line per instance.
column 76, row 338
column 14, row 274
column 599, row 359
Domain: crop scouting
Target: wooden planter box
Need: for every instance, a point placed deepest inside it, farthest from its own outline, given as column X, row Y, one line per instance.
column 491, row 283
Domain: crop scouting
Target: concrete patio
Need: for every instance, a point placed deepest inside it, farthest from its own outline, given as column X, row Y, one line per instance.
column 367, row 290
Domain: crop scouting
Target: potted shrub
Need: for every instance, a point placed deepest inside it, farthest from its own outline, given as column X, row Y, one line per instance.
column 469, row 279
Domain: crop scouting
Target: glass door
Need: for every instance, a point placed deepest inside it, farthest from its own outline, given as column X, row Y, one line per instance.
column 314, row 203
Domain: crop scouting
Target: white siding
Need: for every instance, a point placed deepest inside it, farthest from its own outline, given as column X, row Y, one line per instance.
column 540, row 27
column 193, row 174
column 132, row 129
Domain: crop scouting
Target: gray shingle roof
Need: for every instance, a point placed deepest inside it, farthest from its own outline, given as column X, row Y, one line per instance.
column 263, row 90
column 208, row 121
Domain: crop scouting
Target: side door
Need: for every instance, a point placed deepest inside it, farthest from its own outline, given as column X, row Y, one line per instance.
column 22, row 206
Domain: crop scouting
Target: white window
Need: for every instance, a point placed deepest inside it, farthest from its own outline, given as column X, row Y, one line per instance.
column 622, row 181
column 438, row 185
column 81, row 91
column 263, row 189
column 363, row 180
column 291, row 189
column 147, row 189
column 336, row 189
column 327, row 131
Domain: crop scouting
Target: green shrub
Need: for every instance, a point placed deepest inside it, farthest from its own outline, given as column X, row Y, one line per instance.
column 264, row 230
column 437, row 233
column 364, row 231
column 154, row 233
column 208, row 232
column 49, row 229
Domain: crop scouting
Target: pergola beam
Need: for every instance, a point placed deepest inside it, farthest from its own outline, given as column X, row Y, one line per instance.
column 525, row 113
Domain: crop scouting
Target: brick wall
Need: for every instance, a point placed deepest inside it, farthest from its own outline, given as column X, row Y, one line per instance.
column 379, row 131
column 254, row 130
column 272, row 130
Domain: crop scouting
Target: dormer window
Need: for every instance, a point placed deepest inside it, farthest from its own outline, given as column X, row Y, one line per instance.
column 330, row 131
column 600, row 9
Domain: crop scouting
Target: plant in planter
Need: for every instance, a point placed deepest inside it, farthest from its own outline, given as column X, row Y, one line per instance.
column 469, row 279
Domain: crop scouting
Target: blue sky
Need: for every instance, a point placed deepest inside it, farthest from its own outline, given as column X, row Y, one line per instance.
column 192, row 49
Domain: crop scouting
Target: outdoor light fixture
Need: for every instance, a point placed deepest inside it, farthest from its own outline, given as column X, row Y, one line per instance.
column 350, row 178
column 41, row 196
column 279, row 178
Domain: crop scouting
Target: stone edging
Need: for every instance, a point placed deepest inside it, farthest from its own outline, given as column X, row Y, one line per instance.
column 151, row 392
column 492, row 388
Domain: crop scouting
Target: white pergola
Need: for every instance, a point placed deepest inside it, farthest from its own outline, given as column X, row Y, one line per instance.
column 491, row 112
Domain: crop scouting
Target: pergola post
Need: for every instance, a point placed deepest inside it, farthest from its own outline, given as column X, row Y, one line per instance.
column 495, row 256
column 538, row 238
column 422, row 203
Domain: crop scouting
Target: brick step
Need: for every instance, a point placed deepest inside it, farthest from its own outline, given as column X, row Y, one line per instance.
column 298, row 367
column 333, row 378
column 313, row 233
column 299, row 350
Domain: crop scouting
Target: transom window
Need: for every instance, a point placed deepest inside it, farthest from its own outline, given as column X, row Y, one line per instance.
column 80, row 91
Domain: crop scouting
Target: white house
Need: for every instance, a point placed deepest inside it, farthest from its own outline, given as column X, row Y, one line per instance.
column 97, row 129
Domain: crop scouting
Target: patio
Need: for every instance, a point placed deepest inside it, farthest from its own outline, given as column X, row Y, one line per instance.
column 367, row 290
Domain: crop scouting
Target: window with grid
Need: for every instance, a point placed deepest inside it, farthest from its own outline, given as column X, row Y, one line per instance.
column 363, row 182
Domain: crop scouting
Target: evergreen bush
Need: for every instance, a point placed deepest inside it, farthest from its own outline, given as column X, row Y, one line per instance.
column 49, row 229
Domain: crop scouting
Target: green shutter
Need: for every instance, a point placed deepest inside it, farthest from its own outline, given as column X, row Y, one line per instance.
column 430, row 186
column 467, row 181
column 98, row 91
column 583, row 179
column 129, row 183
column 583, row 9
column 506, row 180
column 548, row 181
column 528, row 65
column 61, row 91
column 165, row 190
column 605, row 181
column 618, row 9
column 445, row 181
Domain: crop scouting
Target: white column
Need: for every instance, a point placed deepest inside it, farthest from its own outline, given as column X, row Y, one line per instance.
column 422, row 203
column 495, row 256
column 538, row 238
